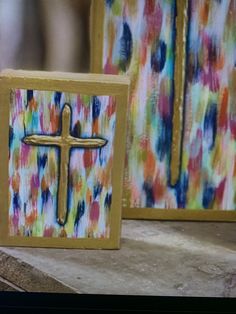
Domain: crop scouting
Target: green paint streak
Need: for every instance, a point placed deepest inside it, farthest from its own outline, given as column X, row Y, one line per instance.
column 86, row 100
column 116, row 8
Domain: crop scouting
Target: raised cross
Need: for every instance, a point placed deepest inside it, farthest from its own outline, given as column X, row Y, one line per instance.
column 64, row 141
column 179, row 79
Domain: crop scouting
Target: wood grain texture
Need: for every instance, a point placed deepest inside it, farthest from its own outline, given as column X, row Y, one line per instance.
column 20, row 276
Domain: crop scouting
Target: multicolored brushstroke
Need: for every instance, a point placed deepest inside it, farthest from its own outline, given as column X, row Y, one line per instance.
column 139, row 40
column 209, row 147
column 34, row 170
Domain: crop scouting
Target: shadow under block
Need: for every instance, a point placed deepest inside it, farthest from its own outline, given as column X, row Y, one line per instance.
column 62, row 151
column 181, row 152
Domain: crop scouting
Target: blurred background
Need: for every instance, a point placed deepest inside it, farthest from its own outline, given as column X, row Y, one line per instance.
column 50, row 35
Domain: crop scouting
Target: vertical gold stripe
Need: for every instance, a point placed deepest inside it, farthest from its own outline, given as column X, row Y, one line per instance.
column 63, row 185
column 96, row 35
column 4, row 160
column 64, row 165
column 179, row 80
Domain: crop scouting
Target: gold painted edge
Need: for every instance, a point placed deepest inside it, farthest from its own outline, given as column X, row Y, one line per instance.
column 119, row 164
column 122, row 90
column 4, row 153
column 69, row 243
column 179, row 214
column 97, row 13
column 58, row 76
column 181, row 24
column 94, row 86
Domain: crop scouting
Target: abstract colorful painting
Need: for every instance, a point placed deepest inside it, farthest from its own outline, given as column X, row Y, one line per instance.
column 140, row 39
column 61, row 155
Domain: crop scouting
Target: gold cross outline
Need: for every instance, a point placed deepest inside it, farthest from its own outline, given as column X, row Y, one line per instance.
column 64, row 141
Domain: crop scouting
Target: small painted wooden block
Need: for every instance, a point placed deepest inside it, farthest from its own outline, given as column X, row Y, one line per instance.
column 181, row 59
column 62, row 149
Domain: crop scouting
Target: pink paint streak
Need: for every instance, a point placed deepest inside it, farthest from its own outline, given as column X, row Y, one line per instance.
column 195, row 161
column 153, row 15
column 25, row 149
column 94, row 211
column 109, row 68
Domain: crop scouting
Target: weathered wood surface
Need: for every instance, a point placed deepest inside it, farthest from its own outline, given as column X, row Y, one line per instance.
column 16, row 275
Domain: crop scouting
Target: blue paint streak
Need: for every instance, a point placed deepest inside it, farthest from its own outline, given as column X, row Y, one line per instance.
column 158, row 56
column 100, row 157
column 16, row 201
column 208, row 195
column 181, row 189
column 35, row 121
column 210, row 123
column 148, row 189
column 57, row 98
column 196, row 69
column 76, row 129
column 126, row 48
column 107, row 202
column 163, row 144
column 24, row 208
column 97, row 190
column 45, row 196
column 80, row 212
column 109, row 3
column 30, row 95
column 28, row 233
column 11, row 136
column 96, row 107
column 42, row 160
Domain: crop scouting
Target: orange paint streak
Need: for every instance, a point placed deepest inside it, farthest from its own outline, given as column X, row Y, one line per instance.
column 149, row 165
column 158, row 188
column 88, row 197
column 220, row 62
column 33, row 105
column 16, row 183
column 216, row 155
column 143, row 54
column 204, row 12
column 88, row 158
column 54, row 119
column 104, row 175
column 223, row 122
column 196, row 182
column 16, row 158
column 111, row 107
column 30, row 219
column 95, row 127
column 34, row 193
column 78, row 186
column 44, row 185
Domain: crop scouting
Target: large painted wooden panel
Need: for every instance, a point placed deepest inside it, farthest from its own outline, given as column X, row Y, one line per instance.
column 62, row 170
column 181, row 59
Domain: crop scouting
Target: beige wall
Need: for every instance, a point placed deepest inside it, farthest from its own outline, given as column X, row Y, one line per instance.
column 44, row 35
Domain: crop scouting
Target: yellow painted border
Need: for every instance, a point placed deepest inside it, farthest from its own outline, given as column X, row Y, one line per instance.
column 97, row 13
column 88, row 84
column 179, row 214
